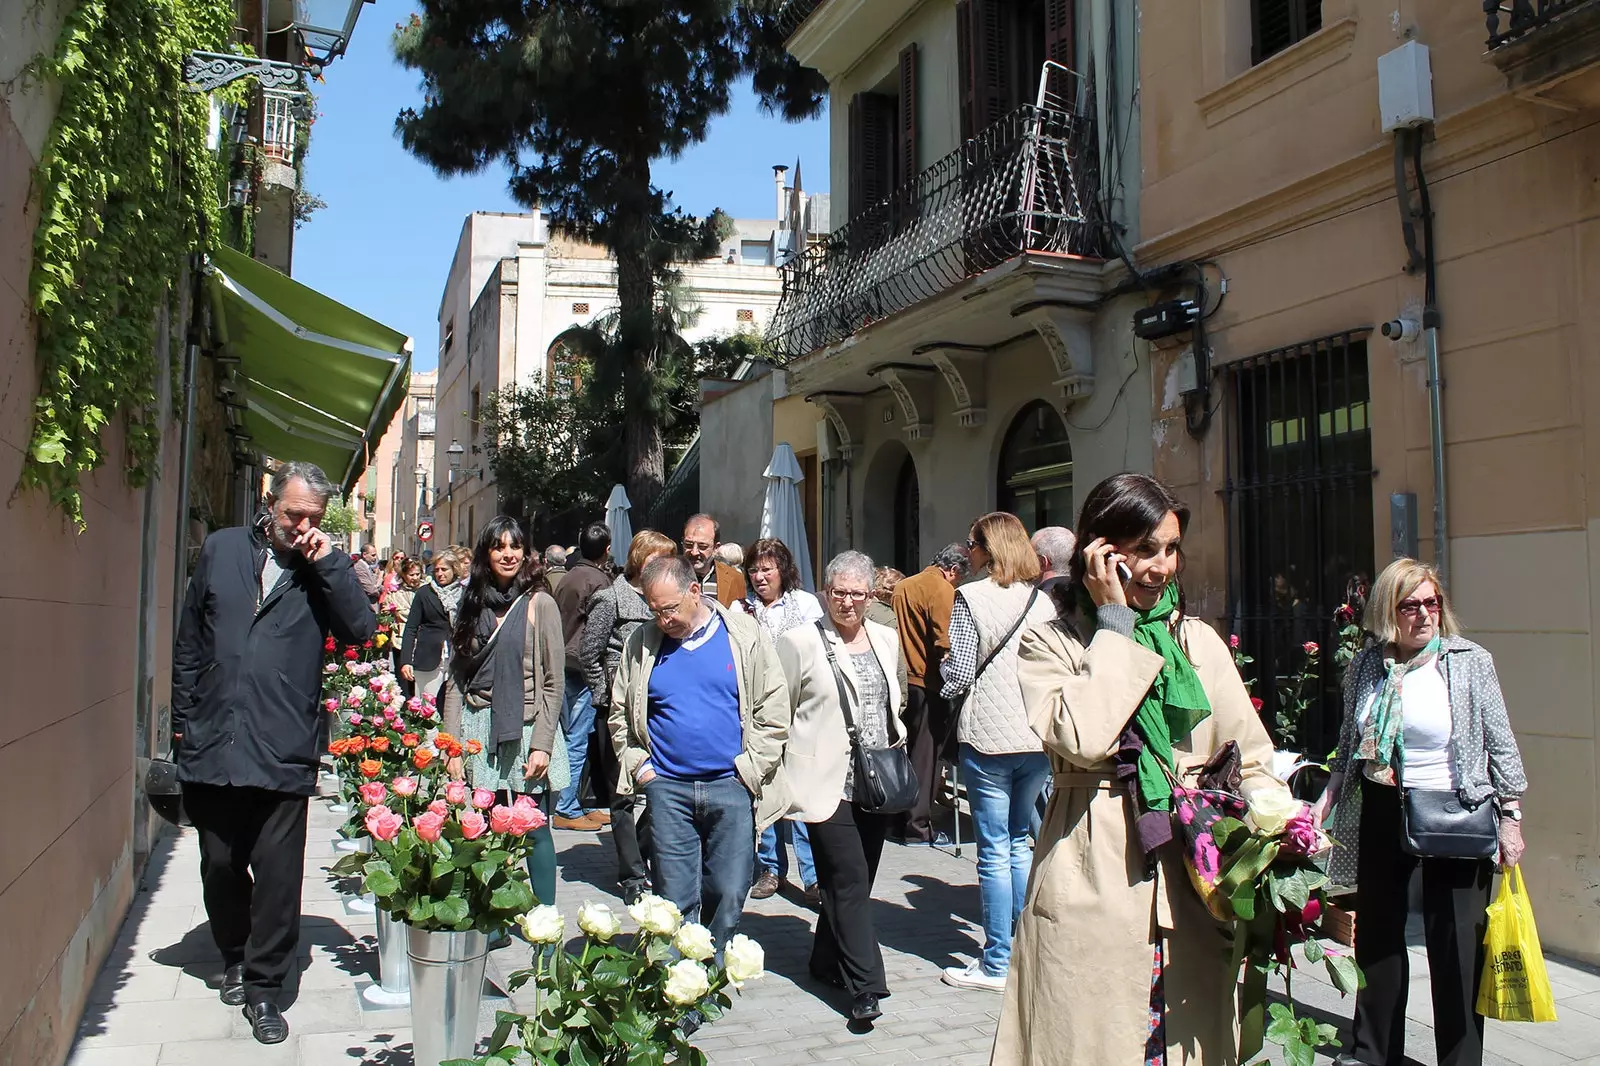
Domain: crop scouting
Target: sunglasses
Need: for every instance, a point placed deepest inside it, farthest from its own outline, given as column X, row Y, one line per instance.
column 1413, row 608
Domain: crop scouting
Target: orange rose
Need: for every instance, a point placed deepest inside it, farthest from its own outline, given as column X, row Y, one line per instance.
column 371, row 768
column 421, row 758
column 356, row 745
column 473, row 747
column 410, row 740
column 380, row 744
column 336, row 748
column 441, row 740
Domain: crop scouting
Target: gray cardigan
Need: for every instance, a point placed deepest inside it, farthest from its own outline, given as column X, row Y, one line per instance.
column 614, row 613
column 1481, row 741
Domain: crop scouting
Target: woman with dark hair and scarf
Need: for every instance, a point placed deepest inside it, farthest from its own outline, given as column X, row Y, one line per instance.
column 1128, row 693
column 505, row 683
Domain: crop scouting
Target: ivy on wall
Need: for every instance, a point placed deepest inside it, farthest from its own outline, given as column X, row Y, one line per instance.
column 126, row 189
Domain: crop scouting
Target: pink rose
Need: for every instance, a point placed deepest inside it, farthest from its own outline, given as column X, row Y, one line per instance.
column 383, row 698
column 1301, row 835
column 375, row 685
column 526, row 818
column 414, row 703
column 429, row 825
column 426, row 711
column 353, row 700
column 482, row 799
column 373, row 793
column 383, row 823
column 456, row 793
column 472, row 825
column 331, row 704
column 356, row 719
column 439, row 807
column 1233, row 641
column 525, row 800
column 1309, row 647
column 500, row 819
column 404, row 786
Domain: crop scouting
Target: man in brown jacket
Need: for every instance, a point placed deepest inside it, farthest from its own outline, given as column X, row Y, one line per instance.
column 702, row 536
column 922, row 605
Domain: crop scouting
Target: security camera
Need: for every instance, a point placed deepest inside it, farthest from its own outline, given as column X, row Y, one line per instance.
column 1401, row 329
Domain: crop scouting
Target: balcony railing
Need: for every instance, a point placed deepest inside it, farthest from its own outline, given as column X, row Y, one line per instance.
column 1025, row 184
column 792, row 14
column 1507, row 23
column 278, row 126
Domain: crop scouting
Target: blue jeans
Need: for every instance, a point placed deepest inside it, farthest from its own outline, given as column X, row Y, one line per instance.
column 577, row 722
column 703, row 836
column 773, row 853
column 1002, row 790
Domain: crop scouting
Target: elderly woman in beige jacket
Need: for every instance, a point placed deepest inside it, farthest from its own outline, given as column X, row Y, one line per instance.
column 1110, row 907
column 846, row 841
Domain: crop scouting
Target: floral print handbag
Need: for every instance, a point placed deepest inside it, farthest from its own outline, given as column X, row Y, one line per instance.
column 1195, row 811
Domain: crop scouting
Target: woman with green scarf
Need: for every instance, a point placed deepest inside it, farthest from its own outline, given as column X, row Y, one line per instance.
column 1116, row 960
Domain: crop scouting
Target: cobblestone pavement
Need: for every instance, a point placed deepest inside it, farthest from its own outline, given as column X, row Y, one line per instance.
column 155, row 1003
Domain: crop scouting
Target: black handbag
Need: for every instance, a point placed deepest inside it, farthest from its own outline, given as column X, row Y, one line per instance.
column 1436, row 823
column 885, row 781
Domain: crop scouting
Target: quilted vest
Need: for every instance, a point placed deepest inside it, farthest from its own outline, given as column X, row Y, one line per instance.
column 994, row 720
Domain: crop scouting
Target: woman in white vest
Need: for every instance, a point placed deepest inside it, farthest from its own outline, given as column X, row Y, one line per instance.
column 1002, row 759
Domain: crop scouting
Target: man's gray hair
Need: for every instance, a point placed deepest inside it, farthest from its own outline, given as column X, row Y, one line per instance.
column 953, row 557
column 555, row 556
column 310, row 473
column 673, row 568
column 1055, row 544
column 850, row 564
column 730, row 554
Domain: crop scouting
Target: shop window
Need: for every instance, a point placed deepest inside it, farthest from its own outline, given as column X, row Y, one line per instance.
column 1035, row 477
column 1299, row 498
column 1277, row 24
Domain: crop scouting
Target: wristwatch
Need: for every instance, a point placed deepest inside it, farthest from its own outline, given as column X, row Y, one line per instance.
column 1514, row 813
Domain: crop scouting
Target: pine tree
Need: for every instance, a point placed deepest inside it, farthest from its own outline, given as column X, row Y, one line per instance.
column 578, row 98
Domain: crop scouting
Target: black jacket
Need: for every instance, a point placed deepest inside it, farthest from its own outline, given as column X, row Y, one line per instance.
column 247, row 679
column 427, row 629
column 580, row 583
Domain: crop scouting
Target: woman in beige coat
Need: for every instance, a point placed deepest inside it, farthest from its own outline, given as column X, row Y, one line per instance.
column 1110, row 907
column 846, row 840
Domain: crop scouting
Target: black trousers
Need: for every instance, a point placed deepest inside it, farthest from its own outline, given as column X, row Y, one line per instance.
column 630, row 819
column 252, row 859
column 1455, row 900
column 926, row 724
column 846, row 848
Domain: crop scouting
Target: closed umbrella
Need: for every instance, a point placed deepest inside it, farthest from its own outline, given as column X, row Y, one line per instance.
column 617, row 521
column 782, row 514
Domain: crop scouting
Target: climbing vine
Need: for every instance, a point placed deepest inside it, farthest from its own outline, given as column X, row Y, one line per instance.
column 126, row 188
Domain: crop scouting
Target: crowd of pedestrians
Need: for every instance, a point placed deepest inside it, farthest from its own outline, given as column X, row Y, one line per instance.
column 712, row 714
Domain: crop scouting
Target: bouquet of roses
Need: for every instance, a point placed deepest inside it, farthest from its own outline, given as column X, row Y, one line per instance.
column 619, row 1003
column 444, row 856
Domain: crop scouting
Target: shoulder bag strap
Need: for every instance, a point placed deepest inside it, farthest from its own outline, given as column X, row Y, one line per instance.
column 955, row 719
column 838, row 679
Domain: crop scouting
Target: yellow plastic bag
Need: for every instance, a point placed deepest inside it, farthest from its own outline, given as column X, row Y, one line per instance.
column 1515, row 987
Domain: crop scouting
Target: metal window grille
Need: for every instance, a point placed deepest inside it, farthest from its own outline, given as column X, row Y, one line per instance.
column 745, row 314
column 1277, row 24
column 580, row 308
column 1299, row 499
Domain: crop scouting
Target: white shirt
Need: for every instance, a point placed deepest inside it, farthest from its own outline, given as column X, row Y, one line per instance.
column 1425, row 702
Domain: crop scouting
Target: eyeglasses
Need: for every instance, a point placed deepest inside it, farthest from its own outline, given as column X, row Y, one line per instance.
column 1413, row 608
column 845, row 596
column 674, row 611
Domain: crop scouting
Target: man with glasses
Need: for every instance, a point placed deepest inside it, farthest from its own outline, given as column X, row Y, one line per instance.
column 702, row 536
column 699, row 718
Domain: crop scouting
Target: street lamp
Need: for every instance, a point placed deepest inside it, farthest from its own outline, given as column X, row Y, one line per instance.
column 453, row 454
column 323, row 27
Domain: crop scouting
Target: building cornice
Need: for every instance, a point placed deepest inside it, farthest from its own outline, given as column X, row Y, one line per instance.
column 1323, row 49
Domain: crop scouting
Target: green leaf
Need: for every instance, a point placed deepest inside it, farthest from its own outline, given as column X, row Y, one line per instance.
column 514, row 895
column 452, row 910
column 1296, row 1053
column 1345, row 974
column 504, row 1022
column 1314, row 951
column 421, row 910
column 580, row 1055
column 1295, row 890
column 1282, row 1028
column 1227, row 832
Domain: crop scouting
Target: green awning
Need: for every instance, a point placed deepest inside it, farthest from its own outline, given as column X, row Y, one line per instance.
column 321, row 381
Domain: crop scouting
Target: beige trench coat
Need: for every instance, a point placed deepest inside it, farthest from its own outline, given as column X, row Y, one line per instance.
column 1079, row 986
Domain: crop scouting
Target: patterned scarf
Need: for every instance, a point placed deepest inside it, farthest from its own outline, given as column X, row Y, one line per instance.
column 1382, row 747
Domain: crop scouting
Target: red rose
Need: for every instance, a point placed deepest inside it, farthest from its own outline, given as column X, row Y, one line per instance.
column 367, row 645
column 352, row 654
column 1256, row 702
column 330, row 645
column 1309, row 647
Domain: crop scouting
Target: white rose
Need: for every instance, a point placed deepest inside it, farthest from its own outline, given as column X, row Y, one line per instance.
column 655, row 915
column 744, row 960
column 354, row 668
column 387, row 681
column 686, row 983
column 694, row 940
column 1271, row 809
column 543, row 925
column 597, row 920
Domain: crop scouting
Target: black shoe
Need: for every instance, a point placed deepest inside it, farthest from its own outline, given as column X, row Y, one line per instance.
column 865, row 1008
column 267, row 1023
column 233, row 985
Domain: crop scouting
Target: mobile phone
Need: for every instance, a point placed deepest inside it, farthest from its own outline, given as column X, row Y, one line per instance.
column 1124, row 573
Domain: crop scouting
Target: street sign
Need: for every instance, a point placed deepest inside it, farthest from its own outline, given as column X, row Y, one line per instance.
column 425, row 531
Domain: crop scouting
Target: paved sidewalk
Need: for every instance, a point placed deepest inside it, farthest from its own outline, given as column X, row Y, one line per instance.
column 155, row 1002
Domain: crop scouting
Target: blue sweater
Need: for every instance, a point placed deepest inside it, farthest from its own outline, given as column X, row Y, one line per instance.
column 695, row 730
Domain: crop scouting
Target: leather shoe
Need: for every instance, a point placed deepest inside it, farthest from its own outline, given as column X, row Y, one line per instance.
column 864, row 1008
column 233, row 985
column 585, row 824
column 766, row 885
column 267, row 1023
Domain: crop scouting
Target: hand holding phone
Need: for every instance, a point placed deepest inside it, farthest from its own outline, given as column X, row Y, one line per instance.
column 1105, row 573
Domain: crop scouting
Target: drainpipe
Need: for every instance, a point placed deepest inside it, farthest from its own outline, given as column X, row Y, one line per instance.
column 1430, row 343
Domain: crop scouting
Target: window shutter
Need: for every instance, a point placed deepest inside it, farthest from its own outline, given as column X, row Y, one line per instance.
column 965, row 82
column 992, row 66
column 1059, row 35
column 871, row 168
column 907, row 132
column 858, row 137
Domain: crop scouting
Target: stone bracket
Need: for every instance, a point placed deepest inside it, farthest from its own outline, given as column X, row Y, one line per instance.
column 913, row 388
column 1068, row 338
column 846, row 413
column 962, row 367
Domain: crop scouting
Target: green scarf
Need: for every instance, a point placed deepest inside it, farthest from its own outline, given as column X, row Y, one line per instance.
column 1174, row 704
column 1382, row 746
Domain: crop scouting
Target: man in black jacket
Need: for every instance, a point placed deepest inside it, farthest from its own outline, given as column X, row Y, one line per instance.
column 248, row 724
column 580, row 583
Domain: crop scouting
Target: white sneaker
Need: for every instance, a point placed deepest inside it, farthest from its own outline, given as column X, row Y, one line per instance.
column 972, row 976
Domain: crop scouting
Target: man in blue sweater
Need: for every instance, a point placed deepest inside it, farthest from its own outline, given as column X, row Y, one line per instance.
column 699, row 719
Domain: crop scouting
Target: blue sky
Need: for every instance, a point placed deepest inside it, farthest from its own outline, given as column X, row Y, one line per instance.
column 384, row 242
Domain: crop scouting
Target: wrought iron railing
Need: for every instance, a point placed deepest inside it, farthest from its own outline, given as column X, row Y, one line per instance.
column 278, row 126
column 1025, row 184
column 1507, row 22
column 792, row 14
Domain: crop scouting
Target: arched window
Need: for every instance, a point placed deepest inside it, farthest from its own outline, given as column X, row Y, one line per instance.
column 1035, row 479
column 907, row 519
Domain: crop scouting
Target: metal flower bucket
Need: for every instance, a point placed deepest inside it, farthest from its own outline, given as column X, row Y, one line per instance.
column 394, row 966
column 446, row 990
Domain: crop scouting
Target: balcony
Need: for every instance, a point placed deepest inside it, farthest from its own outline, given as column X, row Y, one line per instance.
column 1549, row 50
column 278, row 126
column 1025, row 186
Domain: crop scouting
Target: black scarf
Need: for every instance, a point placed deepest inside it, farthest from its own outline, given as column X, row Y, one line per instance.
column 495, row 666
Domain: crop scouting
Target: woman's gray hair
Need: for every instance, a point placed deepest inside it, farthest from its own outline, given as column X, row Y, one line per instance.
column 310, row 473
column 850, row 564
